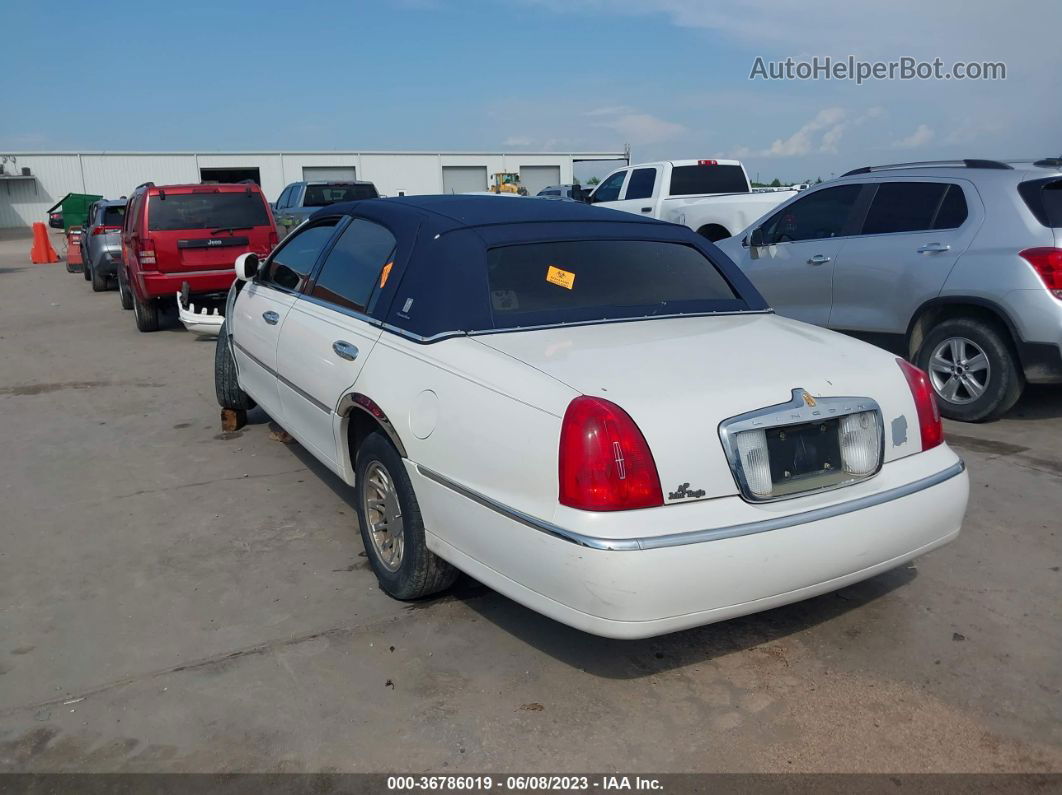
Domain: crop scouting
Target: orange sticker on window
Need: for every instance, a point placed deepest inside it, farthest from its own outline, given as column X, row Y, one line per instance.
column 561, row 278
column 385, row 273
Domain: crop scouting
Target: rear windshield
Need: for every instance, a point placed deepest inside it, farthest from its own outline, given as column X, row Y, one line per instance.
column 113, row 216
column 592, row 280
column 691, row 180
column 206, row 211
column 323, row 195
column 1044, row 199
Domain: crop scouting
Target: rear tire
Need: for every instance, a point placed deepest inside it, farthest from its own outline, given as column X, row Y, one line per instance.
column 984, row 381
column 394, row 519
column 100, row 282
column 146, row 314
column 226, row 384
column 85, row 269
column 124, row 294
column 713, row 232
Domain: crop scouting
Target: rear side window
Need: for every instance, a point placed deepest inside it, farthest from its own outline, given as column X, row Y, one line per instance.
column 641, row 183
column 952, row 212
column 588, row 280
column 113, row 216
column 360, row 261
column 911, row 207
column 206, row 211
column 323, row 195
column 282, row 200
column 692, row 180
column 819, row 215
column 291, row 265
column 550, row 193
column 1044, row 198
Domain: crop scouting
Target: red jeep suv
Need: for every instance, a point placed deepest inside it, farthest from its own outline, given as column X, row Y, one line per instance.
column 188, row 233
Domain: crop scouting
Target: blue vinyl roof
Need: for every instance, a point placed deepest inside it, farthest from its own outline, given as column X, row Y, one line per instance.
column 438, row 286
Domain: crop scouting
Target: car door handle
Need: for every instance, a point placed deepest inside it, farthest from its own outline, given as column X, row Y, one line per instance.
column 344, row 350
column 818, row 259
column 647, row 209
column 933, row 248
column 271, row 317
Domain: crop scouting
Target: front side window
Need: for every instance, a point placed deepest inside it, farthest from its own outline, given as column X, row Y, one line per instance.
column 822, row 214
column 904, row 207
column 291, row 265
column 359, row 262
column 590, row 280
column 609, row 190
column 641, row 183
column 206, row 210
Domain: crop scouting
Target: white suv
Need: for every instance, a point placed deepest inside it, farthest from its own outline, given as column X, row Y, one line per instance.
column 956, row 265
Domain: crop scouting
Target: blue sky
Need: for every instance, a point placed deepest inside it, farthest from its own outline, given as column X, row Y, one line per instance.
column 668, row 77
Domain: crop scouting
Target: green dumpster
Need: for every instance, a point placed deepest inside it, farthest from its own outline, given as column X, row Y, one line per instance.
column 75, row 208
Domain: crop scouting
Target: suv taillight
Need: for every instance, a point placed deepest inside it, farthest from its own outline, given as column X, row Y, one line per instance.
column 146, row 254
column 929, row 424
column 1047, row 262
column 605, row 462
column 102, row 230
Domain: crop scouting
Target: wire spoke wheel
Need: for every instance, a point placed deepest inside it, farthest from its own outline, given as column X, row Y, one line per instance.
column 959, row 370
column 383, row 515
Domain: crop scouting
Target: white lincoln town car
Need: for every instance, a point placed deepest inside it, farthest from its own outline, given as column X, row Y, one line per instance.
column 594, row 414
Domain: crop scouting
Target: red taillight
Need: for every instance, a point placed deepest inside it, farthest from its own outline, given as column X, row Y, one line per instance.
column 926, row 404
column 102, row 230
column 707, row 162
column 1047, row 262
column 146, row 254
column 605, row 463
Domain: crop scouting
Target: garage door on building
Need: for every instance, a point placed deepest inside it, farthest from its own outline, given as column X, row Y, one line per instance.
column 535, row 178
column 464, row 179
column 318, row 173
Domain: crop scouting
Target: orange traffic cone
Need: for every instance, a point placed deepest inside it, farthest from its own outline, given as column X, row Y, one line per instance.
column 42, row 250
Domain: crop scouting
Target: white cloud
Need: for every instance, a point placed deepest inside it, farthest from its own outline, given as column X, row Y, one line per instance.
column 635, row 127
column 821, row 134
column 922, row 135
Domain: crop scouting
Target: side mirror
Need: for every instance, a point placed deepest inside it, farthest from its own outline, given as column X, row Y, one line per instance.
column 757, row 238
column 247, row 266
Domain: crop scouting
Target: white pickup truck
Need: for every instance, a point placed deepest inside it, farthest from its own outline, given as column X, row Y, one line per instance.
column 711, row 197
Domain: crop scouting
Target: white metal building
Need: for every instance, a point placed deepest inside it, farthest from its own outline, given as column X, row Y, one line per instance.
column 31, row 182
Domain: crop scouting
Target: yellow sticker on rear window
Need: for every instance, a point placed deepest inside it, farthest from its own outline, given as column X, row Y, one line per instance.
column 561, row 278
column 385, row 273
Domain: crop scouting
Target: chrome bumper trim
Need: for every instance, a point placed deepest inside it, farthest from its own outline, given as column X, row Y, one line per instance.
column 699, row 536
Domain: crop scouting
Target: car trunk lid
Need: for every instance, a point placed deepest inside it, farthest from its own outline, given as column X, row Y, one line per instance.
column 680, row 378
column 206, row 229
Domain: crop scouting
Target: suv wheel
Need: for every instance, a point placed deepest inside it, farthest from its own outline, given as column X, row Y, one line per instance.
column 146, row 313
column 124, row 294
column 87, row 271
column 100, row 282
column 973, row 369
column 391, row 526
column 226, row 385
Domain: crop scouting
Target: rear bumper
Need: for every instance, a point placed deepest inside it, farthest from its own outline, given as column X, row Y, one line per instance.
column 155, row 284
column 634, row 592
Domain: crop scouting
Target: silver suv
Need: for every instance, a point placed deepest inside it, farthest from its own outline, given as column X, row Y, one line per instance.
column 101, row 242
column 956, row 265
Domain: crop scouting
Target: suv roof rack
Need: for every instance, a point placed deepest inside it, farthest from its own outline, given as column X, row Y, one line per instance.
column 966, row 163
column 1049, row 162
